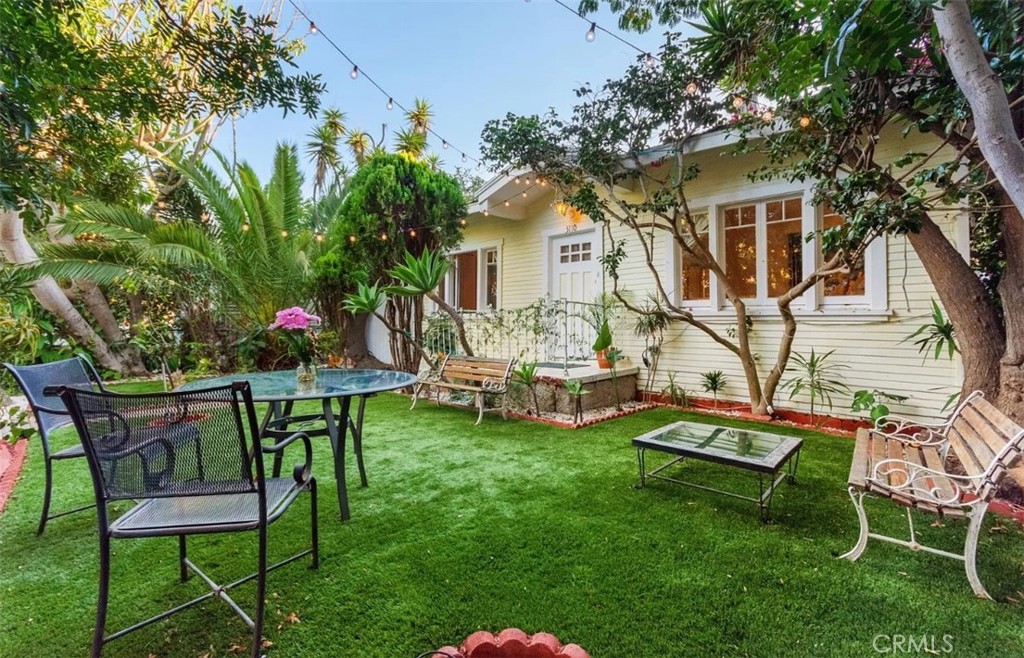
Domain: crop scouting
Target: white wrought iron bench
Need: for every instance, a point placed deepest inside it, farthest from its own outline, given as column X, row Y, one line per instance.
column 470, row 374
column 905, row 461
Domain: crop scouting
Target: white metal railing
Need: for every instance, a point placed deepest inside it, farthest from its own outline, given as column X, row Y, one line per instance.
column 555, row 331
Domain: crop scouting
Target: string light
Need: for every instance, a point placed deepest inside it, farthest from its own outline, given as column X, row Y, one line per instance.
column 518, row 180
column 767, row 116
column 352, row 239
column 738, row 102
column 205, row 217
column 245, row 227
column 524, row 194
column 284, row 234
column 319, row 237
column 805, row 121
column 487, row 213
column 649, row 61
column 464, row 157
column 384, row 237
column 312, row 28
column 692, row 88
column 506, row 203
column 356, row 71
column 594, row 27
column 412, row 233
column 592, row 33
column 462, row 221
column 444, row 144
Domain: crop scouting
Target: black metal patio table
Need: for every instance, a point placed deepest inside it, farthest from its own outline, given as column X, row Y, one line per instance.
column 761, row 452
column 280, row 389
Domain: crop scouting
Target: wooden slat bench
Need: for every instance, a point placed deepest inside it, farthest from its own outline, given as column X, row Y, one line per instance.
column 470, row 374
column 905, row 461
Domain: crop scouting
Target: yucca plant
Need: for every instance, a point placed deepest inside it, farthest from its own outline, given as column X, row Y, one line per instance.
column 574, row 388
column 421, row 276
column 526, row 374
column 818, row 377
column 935, row 336
column 713, row 382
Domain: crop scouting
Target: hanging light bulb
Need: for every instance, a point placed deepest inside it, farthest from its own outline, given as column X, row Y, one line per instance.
column 767, row 116
column 805, row 121
column 444, row 143
column 245, row 227
column 518, row 180
column 692, row 88
column 412, row 233
column 592, row 33
column 487, row 213
column 524, row 194
column 391, row 103
column 462, row 221
column 355, row 72
column 464, row 158
column 384, row 237
column 543, row 182
column 319, row 237
column 352, row 239
column 312, row 28
column 205, row 217
column 284, row 233
column 507, row 203
column 738, row 102
column 649, row 61
column 527, row 180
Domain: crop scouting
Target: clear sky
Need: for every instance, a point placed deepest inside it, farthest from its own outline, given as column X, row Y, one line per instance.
column 473, row 60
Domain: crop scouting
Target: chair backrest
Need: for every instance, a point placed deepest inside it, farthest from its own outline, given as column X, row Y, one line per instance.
column 155, row 445
column 50, row 412
column 986, row 441
column 477, row 369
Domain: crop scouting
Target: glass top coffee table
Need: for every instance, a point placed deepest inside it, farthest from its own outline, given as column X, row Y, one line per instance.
column 772, row 457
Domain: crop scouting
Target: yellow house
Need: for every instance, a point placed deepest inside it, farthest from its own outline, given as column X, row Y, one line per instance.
column 521, row 245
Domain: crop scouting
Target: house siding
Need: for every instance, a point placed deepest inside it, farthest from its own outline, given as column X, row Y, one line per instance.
column 868, row 347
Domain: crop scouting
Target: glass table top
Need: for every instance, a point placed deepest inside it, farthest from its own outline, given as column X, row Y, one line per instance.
column 331, row 382
column 721, row 444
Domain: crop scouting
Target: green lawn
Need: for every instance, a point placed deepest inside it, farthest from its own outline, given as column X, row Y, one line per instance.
column 519, row 524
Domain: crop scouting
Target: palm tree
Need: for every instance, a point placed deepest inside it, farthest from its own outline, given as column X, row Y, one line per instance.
column 360, row 143
column 254, row 248
column 434, row 161
column 322, row 148
column 419, row 116
column 410, row 144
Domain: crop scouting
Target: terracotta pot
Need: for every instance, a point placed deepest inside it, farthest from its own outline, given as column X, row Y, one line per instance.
column 602, row 362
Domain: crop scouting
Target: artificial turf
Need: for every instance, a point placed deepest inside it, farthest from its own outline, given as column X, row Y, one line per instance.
column 519, row 524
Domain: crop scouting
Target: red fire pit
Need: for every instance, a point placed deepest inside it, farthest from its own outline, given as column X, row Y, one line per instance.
column 512, row 643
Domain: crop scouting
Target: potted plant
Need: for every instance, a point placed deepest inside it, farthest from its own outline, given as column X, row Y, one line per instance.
column 602, row 344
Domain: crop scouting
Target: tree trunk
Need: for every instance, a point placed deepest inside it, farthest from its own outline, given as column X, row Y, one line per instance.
column 1011, row 293
column 986, row 95
column 460, row 324
column 49, row 294
column 99, row 308
column 978, row 328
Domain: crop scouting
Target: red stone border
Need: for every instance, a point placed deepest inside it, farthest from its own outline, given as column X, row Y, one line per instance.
column 586, row 423
column 12, row 458
column 511, row 643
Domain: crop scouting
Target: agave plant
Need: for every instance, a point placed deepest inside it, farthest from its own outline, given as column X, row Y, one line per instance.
column 526, row 374
column 368, row 299
column 422, row 276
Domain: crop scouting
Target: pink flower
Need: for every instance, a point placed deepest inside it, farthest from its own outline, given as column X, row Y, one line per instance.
column 293, row 319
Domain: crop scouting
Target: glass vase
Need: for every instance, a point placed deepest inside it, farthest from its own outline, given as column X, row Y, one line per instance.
column 305, row 378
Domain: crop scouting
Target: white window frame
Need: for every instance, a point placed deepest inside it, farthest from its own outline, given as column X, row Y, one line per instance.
column 873, row 304
column 481, row 249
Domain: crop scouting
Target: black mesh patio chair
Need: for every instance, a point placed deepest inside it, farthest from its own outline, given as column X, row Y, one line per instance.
column 51, row 414
column 212, row 483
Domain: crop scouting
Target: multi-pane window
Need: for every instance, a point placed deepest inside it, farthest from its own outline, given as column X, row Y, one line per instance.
column 575, row 252
column 842, row 285
column 696, row 280
column 741, row 249
column 783, row 221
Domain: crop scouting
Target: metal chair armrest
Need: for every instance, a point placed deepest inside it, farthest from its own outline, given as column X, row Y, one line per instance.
column 914, row 484
column 301, row 472
column 912, row 432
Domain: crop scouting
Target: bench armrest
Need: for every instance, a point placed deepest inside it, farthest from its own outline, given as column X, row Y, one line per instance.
column 301, row 471
column 494, row 384
column 915, row 482
column 911, row 431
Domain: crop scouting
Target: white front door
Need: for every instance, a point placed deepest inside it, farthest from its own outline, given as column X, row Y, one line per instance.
column 574, row 282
